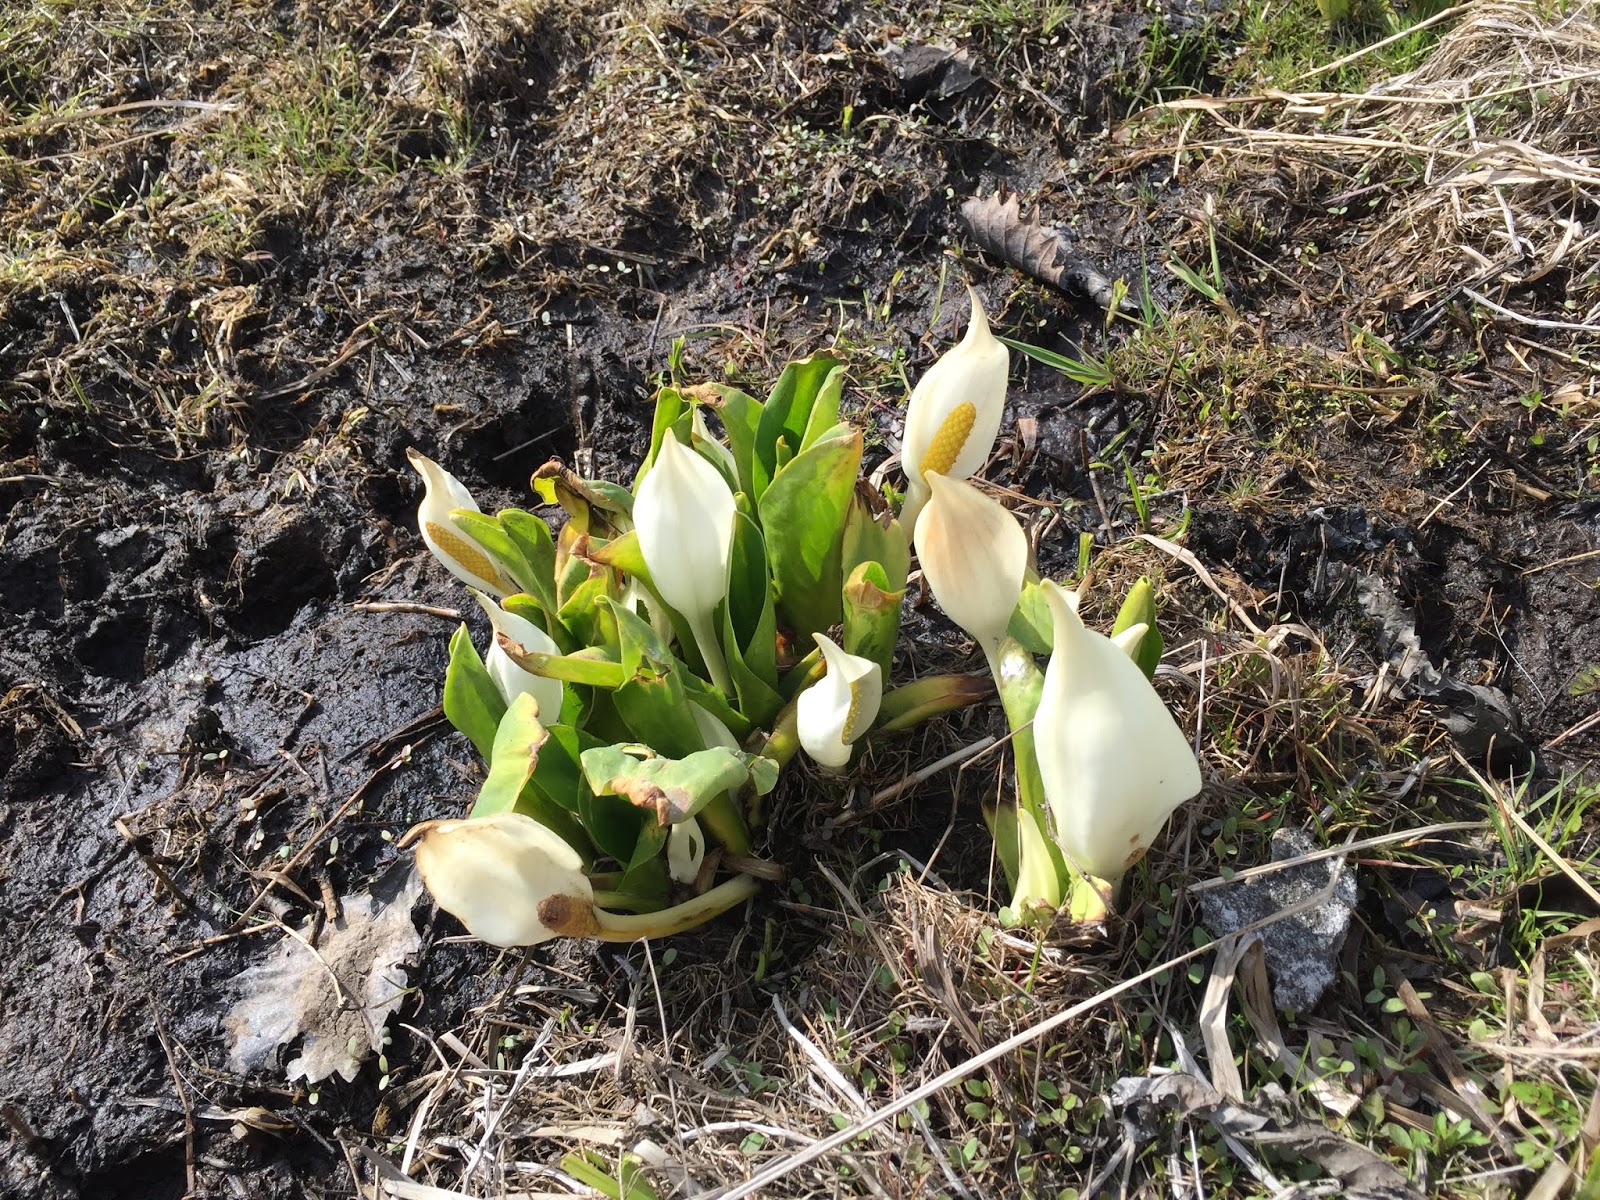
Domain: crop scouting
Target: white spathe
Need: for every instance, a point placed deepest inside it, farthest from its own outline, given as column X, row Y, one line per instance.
column 686, row 850
column 1114, row 762
column 841, row 706
column 510, row 880
column 511, row 680
column 973, row 554
column 954, row 411
column 684, row 513
column 462, row 556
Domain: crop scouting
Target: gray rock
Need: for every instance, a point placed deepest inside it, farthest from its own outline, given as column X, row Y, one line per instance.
column 1302, row 950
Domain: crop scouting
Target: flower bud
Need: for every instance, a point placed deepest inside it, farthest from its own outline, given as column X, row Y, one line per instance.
column 461, row 555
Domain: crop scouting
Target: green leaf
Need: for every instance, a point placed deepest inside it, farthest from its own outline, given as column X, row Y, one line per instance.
column 786, row 416
column 874, row 536
column 488, row 533
column 583, row 612
column 671, row 789
column 516, row 751
column 614, row 825
column 741, row 419
column 750, row 624
column 537, row 546
column 670, row 407
column 1139, row 608
column 1586, row 682
column 802, row 518
column 1031, row 623
column 1001, row 818
column 871, row 615
column 589, row 667
column 651, row 699
column 472, row 703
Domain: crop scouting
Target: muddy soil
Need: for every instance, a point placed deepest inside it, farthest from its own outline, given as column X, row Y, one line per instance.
column 190, row 692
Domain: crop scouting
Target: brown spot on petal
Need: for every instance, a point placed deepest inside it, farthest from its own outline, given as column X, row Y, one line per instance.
column 570, row 916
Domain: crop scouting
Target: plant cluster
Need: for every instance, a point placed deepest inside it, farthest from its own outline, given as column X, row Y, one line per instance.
column 659, row 660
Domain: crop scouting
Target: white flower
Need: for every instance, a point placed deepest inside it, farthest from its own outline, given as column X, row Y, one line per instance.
column 1114, row 763
column 684, row 513
column 463, row 557
column 510, row 880
column 511, row 679
column 839, row 707
column 973, row 554
column 686, row 850
column 954, row 412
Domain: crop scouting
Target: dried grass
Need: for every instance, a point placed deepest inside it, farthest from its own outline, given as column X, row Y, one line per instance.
column 1481, row 168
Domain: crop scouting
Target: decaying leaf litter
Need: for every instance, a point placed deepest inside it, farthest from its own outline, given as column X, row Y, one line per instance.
column 244, row 275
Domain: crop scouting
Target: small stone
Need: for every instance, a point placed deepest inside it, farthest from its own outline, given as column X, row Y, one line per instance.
column 1302, row 950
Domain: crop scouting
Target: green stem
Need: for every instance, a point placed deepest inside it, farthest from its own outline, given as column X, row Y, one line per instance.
column 616, row 927
column 711, row 650
column 628, row 901
column 721, row 817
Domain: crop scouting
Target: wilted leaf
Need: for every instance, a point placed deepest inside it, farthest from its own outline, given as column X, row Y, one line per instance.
column 336, row 998
column 671, row 788
column 999, row 227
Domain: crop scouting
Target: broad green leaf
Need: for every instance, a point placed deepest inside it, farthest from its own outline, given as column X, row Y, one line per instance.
column 472, row 703
column 802, row 518
column 621, row 553
column 651, row 700
column 787, row 414
column 750, row 625
column 537, row 546
column 824, row 408
column 612, row 823
column 584, row 612
column 673, row 789
column 516, row 751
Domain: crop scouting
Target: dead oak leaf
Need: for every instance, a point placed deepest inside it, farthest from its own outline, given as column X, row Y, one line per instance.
column 334, row 999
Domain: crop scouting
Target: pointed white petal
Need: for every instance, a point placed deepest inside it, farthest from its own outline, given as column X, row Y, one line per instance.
column 973, row 554
column 1114, row 763
column 511, row 680
column 841, row 706
column 684, row 513
column 955, row 409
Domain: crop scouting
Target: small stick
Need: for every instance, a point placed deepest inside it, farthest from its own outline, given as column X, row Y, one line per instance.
column 1405, row 835
column 933, row 768
column 406, row 606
